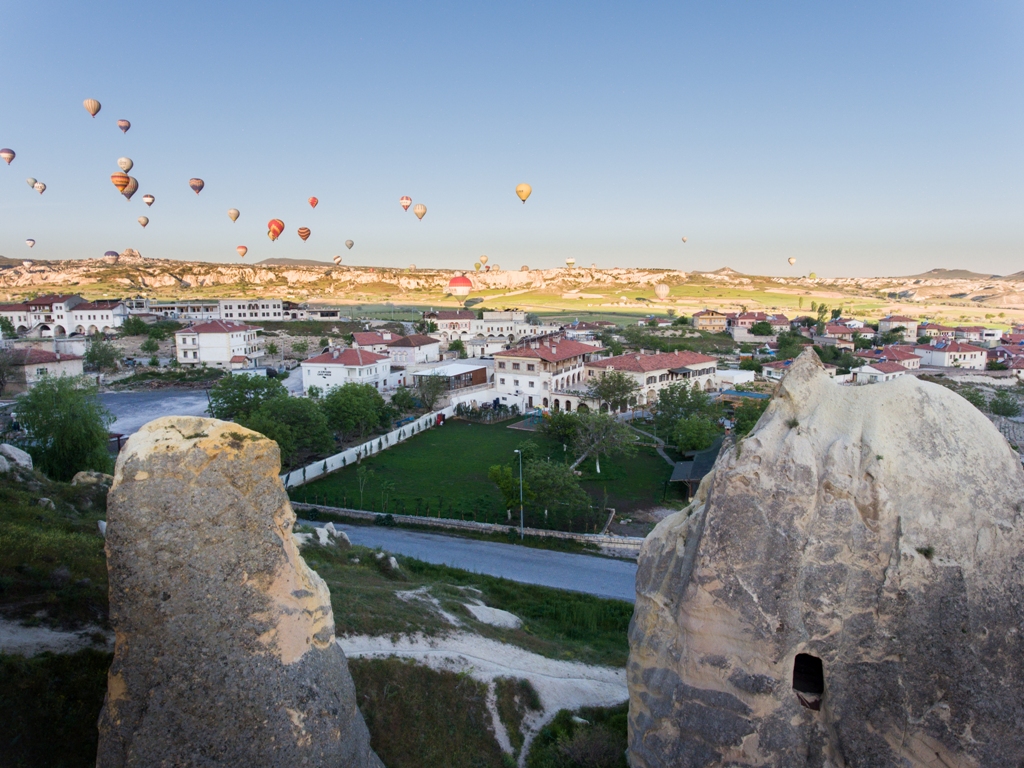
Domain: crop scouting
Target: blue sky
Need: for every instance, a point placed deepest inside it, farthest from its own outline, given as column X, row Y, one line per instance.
column 868, row 138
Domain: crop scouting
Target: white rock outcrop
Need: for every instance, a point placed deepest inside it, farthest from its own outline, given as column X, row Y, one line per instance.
column 846, row 590
column 18, row 456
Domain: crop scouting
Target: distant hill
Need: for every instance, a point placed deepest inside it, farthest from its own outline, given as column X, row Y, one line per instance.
column 5, row 262
column 951, row 274
column 293, row 263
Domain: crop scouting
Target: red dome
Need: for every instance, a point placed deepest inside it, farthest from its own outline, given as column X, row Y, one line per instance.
column 460, row 281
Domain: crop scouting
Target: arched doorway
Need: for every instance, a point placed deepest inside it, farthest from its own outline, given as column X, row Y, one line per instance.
column 568, row 406
column 603, row 408
column 582, row 408
column 59, row 332
column 556, row 407
column 544, row 402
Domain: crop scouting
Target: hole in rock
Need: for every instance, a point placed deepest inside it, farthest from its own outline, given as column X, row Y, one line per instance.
column 808, row 674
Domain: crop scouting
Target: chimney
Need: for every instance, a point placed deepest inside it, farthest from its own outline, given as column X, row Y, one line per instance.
column 334, row 353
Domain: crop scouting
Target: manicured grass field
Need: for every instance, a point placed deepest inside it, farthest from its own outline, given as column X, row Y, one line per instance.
column 444, row 470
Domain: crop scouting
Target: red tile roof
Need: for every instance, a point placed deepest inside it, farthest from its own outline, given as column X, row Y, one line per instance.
column 664, row 361
column 951, row 346
column 887, row 367
column 347, row 357
column 369, row 338
column 93, row 305
column 415, row 340
column 1013, row 338
column 219, row 326
column 238, row 358
column 551, row 350
column 841, row 330
column 13, row 307
column 898, row 319
column 53, row 298
column 889, row 353
column 35, row 356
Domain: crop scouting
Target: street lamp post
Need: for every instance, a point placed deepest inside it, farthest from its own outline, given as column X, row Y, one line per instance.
column 520, row 492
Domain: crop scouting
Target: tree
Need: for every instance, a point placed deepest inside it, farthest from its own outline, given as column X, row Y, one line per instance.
column 1004, row 404
column 508, row 484
column 7, row 330
column 823, row 314
column 895, row 336
column 237, row 397
column 456, row 345
column 695, row 434
column 102, row 355
column 294, row 423
column 973, row 396
column 611, row 343
column 555, row 489
column 150, row 345
column 300, row 348
column 681, row 401
column 751, row 364
column 66, row 426
column 532, row 318
column 272, row 349
column 403, row 400
column 859, row 342
column 561, row 427
column 747, row 414
column 363, row 474
column 599, row 433
column 615, row 388
column 134, row 326
column 6, row 367
column 353, row 409
column 762, row 328
column 430, row 389
column 790, row 345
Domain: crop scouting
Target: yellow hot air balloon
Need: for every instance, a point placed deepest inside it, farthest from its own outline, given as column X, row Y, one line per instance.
column 143, row 220
column 483, row 259
column 420, row 210
column 792, row 261
column 570, row 262
column 524, row 190
column 91, row 106
column 233, row 214
column 477, row 266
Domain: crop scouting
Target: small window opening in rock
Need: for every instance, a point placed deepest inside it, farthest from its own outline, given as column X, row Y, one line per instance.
column 808, row 674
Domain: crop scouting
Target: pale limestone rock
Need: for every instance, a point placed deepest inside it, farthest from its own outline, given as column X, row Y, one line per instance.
column 878, row 529
column 224, row 651
column 18, row 456
column 92, row 478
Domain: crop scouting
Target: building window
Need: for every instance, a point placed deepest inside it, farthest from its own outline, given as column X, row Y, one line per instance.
column 501, row 381
column 531, row 367
column 531, row 385
column 515, row 382
column 515, row 366
column 652, row 379
column 501, row 365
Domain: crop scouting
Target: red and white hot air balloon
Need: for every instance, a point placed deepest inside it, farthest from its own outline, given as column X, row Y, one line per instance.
column 242, row 250
column 304, row 233
column 148, row 199
column 405, row 201
column 197, row 185
column 312, row 202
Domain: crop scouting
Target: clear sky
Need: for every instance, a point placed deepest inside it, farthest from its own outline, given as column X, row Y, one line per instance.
column 861, row 138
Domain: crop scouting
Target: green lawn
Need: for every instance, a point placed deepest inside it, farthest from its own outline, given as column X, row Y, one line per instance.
column 445, row 470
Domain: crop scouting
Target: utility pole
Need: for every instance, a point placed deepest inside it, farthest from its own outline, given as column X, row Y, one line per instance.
column 520, row 492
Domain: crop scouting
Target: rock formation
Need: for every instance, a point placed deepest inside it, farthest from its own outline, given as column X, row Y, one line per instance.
column 847, row 591
column 225, row 651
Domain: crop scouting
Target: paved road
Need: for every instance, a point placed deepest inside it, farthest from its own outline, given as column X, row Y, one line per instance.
column 133, row 409
column 580, row 573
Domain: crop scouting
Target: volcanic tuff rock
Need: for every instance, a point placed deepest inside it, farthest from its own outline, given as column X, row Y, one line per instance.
column 847, row 590
column 225, row 651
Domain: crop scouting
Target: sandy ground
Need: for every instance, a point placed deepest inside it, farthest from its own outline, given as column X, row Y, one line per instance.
column 560, row 684
column 30, row 641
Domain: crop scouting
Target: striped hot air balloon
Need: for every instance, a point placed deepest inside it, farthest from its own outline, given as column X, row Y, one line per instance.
column 242, row 250
column 304, row 233
column 143, row 220
column 313, row 201
column 274, row 228
column 197, row 185
column 131, row 188
column 110, row 254
column 148, row 199
column 420, row 210
column 405, row 201
column 91, row 106
column 125, row 164
column 7, row 154
column 30, row 242
column 119, row 180
column 337, row 260
column 124, row 125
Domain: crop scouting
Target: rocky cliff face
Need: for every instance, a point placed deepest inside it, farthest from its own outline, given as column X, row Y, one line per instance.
column 848, row 590
column 225, row 651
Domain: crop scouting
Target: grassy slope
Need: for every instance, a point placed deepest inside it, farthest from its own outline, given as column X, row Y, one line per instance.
column 447, row 468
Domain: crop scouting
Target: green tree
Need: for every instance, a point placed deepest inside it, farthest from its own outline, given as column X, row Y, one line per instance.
column 895, row 336
column 134, row 326
column 353, row 409
column 457, row 346
column 272, row 349
column 403, row 400
column 747, row 413
column 751, row 364
column 860, row 342
column 1004, row 404
column 102, row 355
column 430, row 390
column 823, row 315
column 695, row 434
column 239, row 396
column 762, row 328
column 533, row 318
column 66, row 426
column 6, row 367
column 150, row 345
column 611, row 343
column 974, row 397
column 555, row 488
column 300, row 348
column 294, row 423
column 7, row 328
column 790, row 344
column 681, row 401
column 615, row 388
column 508, row 484
column 599, row 433
column 363, row 475
column 560, row 427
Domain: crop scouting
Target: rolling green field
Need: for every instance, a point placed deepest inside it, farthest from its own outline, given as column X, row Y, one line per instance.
column 443, row 473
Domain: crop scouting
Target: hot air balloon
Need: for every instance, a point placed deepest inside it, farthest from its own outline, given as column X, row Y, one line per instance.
column 39, row 187
column 30, row 181
column 125, row 164
column 233, row 214
column 661, row 291
column 197, row 185
column 349, row 244
column 303, row 233
column 483, row 259
column 412, row 267
column 143, row 220
column 685, row 239
column 570, row 262
column 242, row 250
column 313, row 201
column 119, row 180
column 148, row 199
column 132, row 188
column 420, row 210
column 110, row 254
column 27, row 262
column 274, row 228
column 792, row 261
column 405, row 201
column 477, row 266
column 524, row 190
column 7, row 154
column 91, row 106
column 337, row 259
column 124, row 125
column 30, row 242
column 524, row 268
column 460, row 285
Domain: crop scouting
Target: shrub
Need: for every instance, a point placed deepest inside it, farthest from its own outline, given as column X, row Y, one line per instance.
column 1004, row 404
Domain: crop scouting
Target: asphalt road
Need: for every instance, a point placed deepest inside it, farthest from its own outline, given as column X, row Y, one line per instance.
column 599, row 576
column 133, row 409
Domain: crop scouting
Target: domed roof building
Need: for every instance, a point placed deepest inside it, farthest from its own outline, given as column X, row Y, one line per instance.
column 460, row 285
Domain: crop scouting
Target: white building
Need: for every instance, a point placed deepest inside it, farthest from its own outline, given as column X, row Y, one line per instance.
column 652, row 373
column 507, row 326
column 102, row 316
column 414, row 349
column 952, row 354
column 31, row 364
column 250, row 309
column 546, row 373
column 374, row 341
column 873, row 373
column 64, row 315
column 338, row 367
column 892, row 322
column 219, row 343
